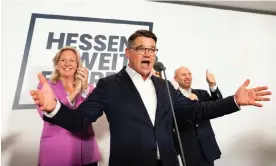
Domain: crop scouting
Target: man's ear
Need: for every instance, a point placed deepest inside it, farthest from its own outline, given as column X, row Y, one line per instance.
column 127, row 52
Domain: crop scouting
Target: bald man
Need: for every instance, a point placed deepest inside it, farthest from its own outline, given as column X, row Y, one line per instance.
column 197, row 138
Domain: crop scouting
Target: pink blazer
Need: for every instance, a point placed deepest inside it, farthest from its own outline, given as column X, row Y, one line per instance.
column 59, row 147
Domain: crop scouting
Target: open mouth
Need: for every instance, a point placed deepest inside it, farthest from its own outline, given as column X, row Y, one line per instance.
column 67, row 69
column 145, row 63
column 187, row 81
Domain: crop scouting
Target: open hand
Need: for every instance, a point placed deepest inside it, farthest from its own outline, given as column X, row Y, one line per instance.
column 44, row 97
column 245, row 96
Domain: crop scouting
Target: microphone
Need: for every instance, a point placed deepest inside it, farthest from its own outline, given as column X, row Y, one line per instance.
column 158, row 66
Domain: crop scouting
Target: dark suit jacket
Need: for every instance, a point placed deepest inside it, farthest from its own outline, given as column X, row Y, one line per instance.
column 132, row 136
column 197, row 137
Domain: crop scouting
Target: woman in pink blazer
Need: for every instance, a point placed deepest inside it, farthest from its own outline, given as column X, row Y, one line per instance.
column 59, row 147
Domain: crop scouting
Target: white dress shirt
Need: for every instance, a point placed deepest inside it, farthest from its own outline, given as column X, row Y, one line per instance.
column 147, row 92
column 187, row 93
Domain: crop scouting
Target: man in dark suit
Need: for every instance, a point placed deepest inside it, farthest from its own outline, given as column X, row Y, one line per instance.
column 197, row 137
column 137, row 108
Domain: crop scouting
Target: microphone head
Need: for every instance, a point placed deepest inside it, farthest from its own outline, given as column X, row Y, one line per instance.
column 158, row 66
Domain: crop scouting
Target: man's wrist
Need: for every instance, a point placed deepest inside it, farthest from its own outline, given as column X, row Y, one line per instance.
column 238, row 105
column 53, row 112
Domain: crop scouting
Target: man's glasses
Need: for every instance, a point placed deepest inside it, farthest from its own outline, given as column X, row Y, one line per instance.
column 142, row 50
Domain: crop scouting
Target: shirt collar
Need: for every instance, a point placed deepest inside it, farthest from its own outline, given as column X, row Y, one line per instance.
column 185, row 92
column 132, row 73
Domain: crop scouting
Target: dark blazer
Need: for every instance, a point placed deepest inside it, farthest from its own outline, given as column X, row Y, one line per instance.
column 197, row 137
column 132, row 136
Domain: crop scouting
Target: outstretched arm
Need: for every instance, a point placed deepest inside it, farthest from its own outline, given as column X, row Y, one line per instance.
column 194, row 110
column 59, row 114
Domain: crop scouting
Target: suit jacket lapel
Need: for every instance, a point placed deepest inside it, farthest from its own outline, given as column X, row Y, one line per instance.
column 133, row 96
column 160, row 111
column 61, row 94
column 195, row 92
column 78, row 99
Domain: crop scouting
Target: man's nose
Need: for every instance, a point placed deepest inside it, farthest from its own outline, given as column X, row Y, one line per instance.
column 147, row 54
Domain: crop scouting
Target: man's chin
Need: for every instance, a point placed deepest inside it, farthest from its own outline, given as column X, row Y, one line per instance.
column 145, row 73
column 186, row 86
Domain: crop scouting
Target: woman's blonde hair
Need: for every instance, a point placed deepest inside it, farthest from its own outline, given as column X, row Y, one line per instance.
column 56, row 75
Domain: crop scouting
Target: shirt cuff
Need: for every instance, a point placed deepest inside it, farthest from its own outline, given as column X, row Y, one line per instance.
column 53, row 113
column 213, row 88
column 85, row 93
column 72, row 104
column 236, row 103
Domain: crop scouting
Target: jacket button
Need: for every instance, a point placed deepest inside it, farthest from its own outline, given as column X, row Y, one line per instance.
column 196, row 125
